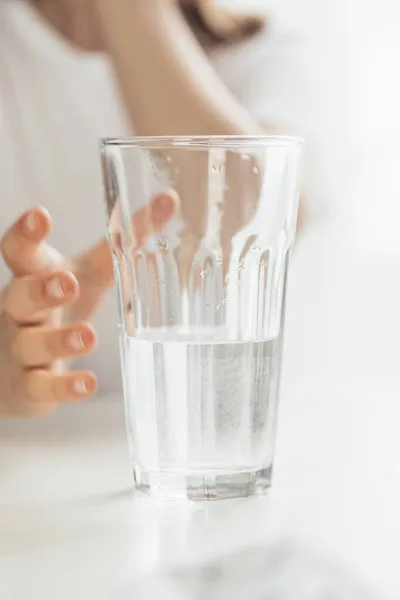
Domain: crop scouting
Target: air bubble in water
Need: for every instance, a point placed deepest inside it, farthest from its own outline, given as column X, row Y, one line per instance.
column 240, row 266
column 161, row 282
column 168, row 159
column 204, row 274
column 217, row 168
column 245, row 157
column 256, row 170
column 219, row 306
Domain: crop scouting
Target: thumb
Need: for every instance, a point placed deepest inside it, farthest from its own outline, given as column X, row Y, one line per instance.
column 94, row 268
column 94, row 271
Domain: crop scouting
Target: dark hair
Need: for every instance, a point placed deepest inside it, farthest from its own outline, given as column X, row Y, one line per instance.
column 211, row 30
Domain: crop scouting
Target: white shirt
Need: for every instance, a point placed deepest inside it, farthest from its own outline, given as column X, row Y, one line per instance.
column 55, row 104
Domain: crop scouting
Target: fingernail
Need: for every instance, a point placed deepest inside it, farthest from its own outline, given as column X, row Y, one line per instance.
column 75, row 341
column 30, row 222
column 54, row 288
column 80, row 387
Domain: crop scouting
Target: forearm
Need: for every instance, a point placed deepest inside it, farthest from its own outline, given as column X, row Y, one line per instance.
column 167, row 83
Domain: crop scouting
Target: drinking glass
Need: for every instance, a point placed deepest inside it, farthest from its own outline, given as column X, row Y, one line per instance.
column 200, row 230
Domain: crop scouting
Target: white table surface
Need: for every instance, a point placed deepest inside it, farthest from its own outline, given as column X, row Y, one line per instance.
column 70, row 526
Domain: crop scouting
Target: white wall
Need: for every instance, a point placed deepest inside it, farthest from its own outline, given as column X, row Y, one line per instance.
column 374, row 124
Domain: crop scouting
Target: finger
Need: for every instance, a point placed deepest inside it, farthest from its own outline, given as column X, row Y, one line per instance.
column 163, row 208
column 28, row 299
column 154, row 217
column 22, row 246
column 41, row 346
column 141, row 227
column 95, row 267
column 43, row 386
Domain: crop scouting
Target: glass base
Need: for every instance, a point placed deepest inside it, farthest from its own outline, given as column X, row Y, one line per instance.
column 177, row 486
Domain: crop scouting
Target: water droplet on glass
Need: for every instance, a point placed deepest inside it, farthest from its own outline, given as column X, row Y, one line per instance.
column 204, row 274
column 168, row 159
column 240, row 266
column 220, row 206
column 255, row 249
column 217, row 168
column 219, row 262
column 219, row 306
column 245, row 157
column 161, row 282
column 162, row 243
column 256, row 170
column 225, row 300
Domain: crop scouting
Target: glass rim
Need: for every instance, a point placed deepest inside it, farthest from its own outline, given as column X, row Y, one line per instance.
column 188, row 141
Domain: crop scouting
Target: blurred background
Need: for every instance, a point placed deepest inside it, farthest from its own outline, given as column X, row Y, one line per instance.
column 330, row 72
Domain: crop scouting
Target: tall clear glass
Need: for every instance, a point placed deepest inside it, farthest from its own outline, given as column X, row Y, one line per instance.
column 201, row 230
